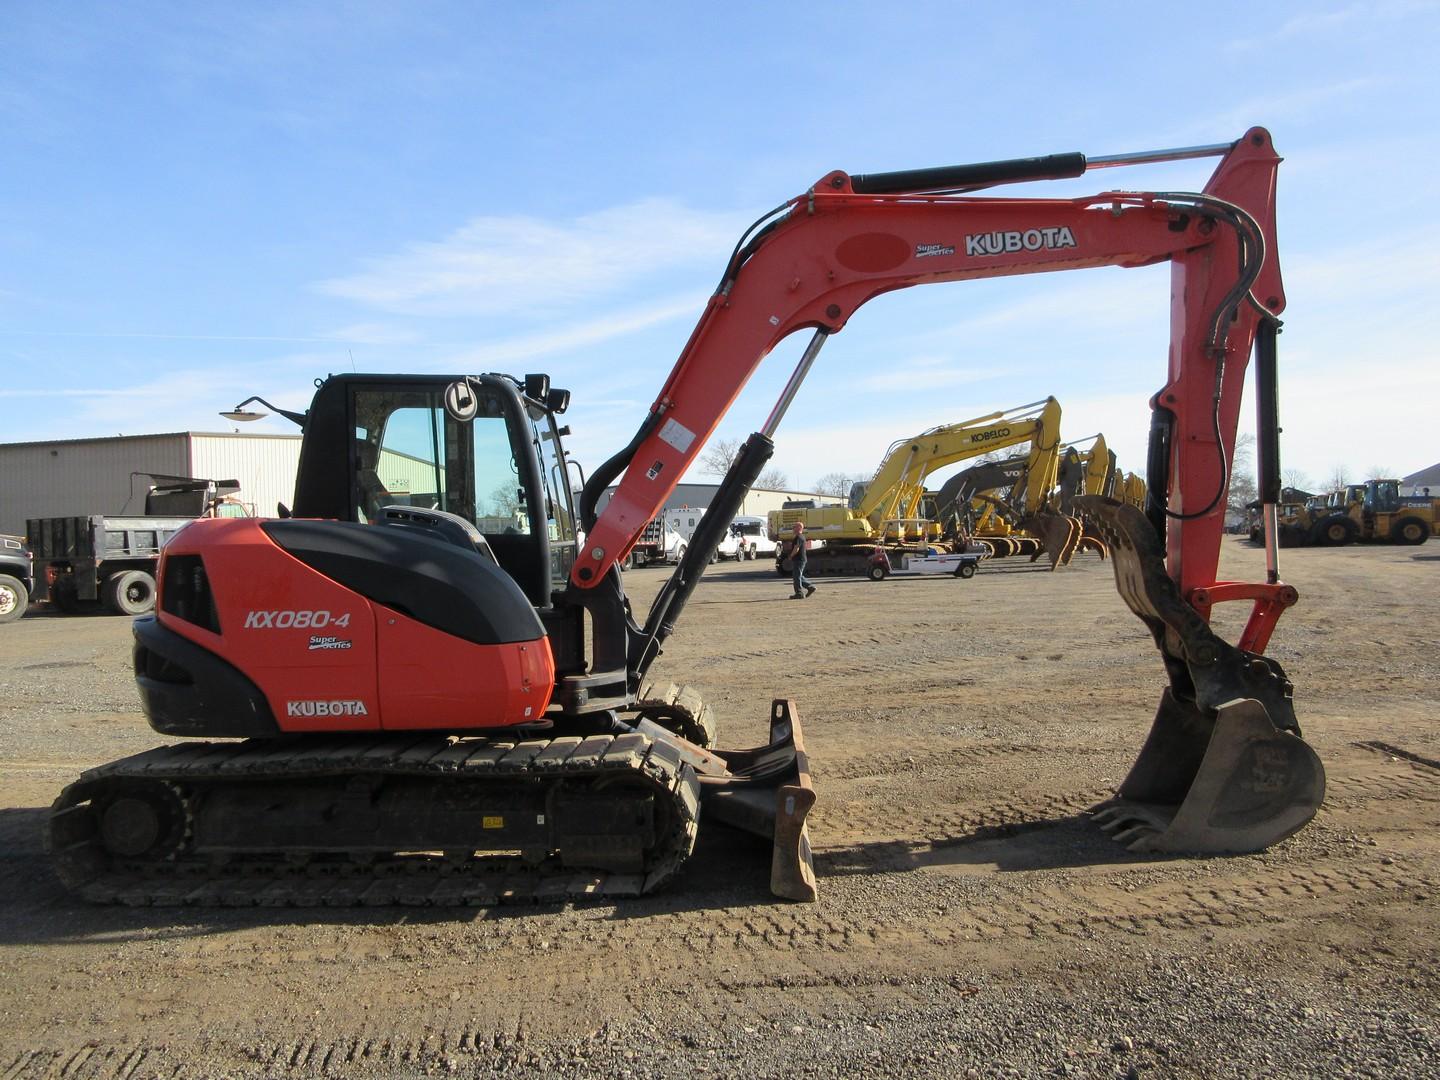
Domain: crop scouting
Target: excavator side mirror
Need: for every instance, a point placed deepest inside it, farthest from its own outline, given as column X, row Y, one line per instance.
column 462, row 404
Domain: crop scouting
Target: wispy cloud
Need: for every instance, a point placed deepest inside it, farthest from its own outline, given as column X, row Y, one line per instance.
column 524, row 264
column 1336, row 21
column 922, row 374
column 1379, row 269
column 582, row 334
column 372, row 334
column 1303, row 103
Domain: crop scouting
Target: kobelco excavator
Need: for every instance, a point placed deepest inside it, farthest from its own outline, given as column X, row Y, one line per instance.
column 439, row 694
column 884, row 514
column 1008, row 507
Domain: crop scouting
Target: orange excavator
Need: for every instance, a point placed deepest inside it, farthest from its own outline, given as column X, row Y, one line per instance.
column 430, row 691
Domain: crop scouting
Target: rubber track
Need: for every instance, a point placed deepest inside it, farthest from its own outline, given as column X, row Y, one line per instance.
column 679, row 709
column 397, row 879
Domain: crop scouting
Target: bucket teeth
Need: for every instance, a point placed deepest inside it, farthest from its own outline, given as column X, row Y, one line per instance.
column 1132, row 825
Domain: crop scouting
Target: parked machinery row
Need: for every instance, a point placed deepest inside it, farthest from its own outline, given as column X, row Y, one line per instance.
column 1372, row 512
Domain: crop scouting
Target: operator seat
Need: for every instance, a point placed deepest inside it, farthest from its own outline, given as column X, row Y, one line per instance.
column 370, row 493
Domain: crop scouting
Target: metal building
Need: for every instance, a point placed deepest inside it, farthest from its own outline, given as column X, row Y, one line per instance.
column 103, row 476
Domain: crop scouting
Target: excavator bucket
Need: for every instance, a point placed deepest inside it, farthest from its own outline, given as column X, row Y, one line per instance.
column 1059, row 536
column 767, row 791
column 1224, row 768
column 1231, row 784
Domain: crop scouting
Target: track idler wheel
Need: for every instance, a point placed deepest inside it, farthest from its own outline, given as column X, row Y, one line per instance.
column 1231, row 784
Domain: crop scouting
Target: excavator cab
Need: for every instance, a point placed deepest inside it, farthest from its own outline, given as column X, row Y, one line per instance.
column 408, row 450
column 498, row 463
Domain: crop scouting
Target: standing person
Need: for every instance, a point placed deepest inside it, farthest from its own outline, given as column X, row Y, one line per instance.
column 798, row 543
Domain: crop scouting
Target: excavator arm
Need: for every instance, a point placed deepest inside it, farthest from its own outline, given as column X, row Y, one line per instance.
column 1041, row 465
column 1099, row 468
column 849, row 239
column 1224, row 768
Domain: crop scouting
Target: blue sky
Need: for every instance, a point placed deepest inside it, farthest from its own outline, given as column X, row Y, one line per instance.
column 202, row 202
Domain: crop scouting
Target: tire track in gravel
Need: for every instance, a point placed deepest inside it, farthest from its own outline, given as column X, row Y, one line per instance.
column 866, row 823
column 917, row 760
column 1380, row 782
column 1087, row 911
column 806, row 937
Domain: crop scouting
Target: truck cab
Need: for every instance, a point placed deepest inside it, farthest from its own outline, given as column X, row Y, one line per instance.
column 752, row 537
column 17, row 578
column 683, row 521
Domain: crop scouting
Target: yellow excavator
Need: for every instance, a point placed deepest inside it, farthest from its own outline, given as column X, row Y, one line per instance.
column 884, row 514
column 1130, row 489
column 1007, row 506
column 1024, row 520
column 1089, row 473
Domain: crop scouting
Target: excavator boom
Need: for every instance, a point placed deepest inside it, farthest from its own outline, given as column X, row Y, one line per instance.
column 824, row 254
column 834, row 248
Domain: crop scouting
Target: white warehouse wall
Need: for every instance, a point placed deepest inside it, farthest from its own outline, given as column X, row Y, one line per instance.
column 83, row 476
column 265, row 465
column 93, row 476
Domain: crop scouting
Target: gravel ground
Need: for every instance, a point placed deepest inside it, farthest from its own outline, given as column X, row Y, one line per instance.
column 972, row 921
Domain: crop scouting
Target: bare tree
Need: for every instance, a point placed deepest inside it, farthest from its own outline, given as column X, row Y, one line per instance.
column 772, row 480
column 1378, row 472
column 837, row 484
column 1244, row 452
column 719, row 455
column 1295, row 478
column 993, row 456
column 1242, row 493
column 1339, row 478
column 505, row 501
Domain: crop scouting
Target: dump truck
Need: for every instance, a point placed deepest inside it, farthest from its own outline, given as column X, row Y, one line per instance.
column 111, row 559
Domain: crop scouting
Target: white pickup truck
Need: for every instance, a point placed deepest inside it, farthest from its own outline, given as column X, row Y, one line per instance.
column 751, row 538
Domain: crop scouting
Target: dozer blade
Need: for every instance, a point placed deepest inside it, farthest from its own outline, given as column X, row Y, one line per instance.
column 1232, row 784
column 767, row 791
column 1224, row 768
